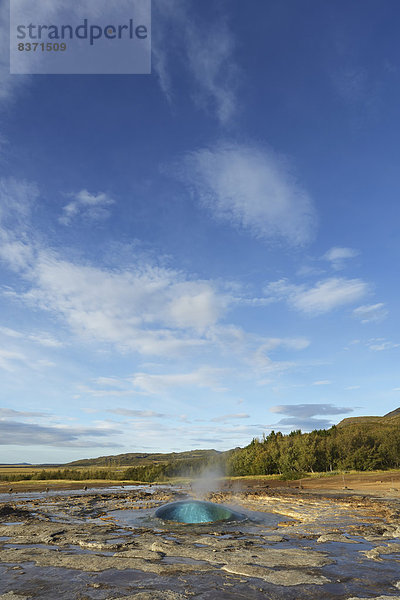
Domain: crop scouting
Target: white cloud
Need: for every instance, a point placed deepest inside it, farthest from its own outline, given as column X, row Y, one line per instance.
column 16, row 253
column 212, row 64
column 337, row 256
column 253, row 350
column 262, row 364
column 371, row 313
column 41, row 338
column 101, row 393
column 205, row 377
column 380, row 344
column 86, row 206
column 198, row 308
column 45, row 339
column 11, row 332
column 12, row 360
column 44, row 363
column 9, row 359
column 109, row 381
column 322, row 382
column 126, row 412
column 224, row 418
column 17, row 198
column 288, row 343
column 144, row 308
column 155, row 383
column 206, row 52
column 329, row 294
column 325, row 296
column 252, row 189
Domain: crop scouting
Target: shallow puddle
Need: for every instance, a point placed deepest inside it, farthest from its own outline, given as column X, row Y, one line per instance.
column 31, row 546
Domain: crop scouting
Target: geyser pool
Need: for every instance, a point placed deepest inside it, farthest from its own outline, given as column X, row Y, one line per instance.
column 197, row 511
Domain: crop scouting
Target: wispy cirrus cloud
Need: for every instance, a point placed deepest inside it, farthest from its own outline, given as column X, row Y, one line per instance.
column 371, row 313
column 17, row 241
column 13, row 360
column 40, row 337
column 351, row 82
column 204, row 377
column 143, row 414
column 254, row 351
column 324, row 296
column 203, row 49
column 88, row 206
column 230, row 417
column 287, row 343
column 338, row 256
column 252, row 189
column 10, row 359
column 17, row 198
column 380, row 344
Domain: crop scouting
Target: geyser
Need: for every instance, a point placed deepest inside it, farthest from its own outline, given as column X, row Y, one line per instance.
column 197, row 511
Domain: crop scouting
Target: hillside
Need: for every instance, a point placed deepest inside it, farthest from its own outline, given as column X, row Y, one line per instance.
column 393, row 413
column 141, row 459
column 390, row 418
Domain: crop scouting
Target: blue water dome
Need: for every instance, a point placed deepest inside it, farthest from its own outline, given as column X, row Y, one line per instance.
column 197, row 511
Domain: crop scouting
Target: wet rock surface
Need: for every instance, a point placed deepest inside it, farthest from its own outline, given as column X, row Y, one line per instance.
column 8, row 511
column 105, row 545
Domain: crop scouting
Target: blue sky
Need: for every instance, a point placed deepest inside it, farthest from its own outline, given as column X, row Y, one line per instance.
column 191, row 258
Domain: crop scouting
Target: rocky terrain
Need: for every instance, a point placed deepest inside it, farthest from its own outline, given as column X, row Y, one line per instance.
column 107, row 544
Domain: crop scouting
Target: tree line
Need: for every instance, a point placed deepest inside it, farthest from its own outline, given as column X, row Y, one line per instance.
column 361, row 447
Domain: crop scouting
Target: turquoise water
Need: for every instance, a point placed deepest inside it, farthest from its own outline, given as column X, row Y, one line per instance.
column 196, row 511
